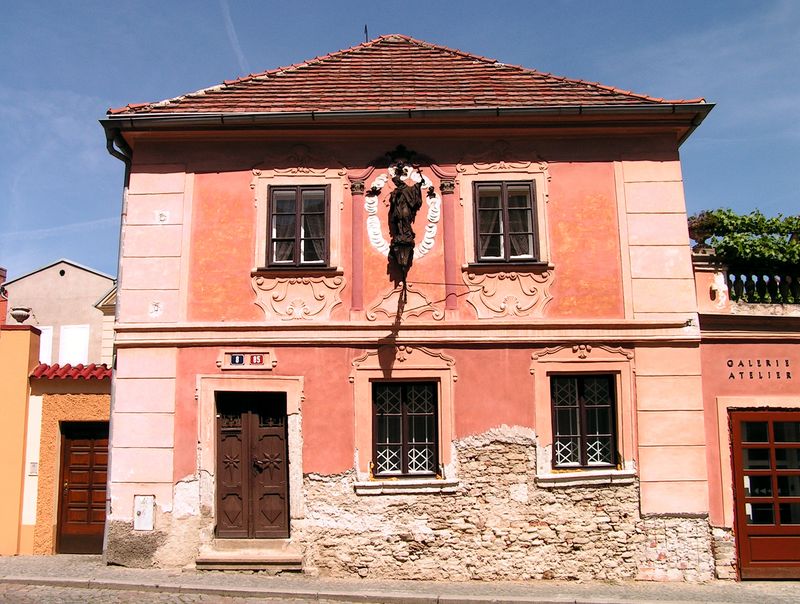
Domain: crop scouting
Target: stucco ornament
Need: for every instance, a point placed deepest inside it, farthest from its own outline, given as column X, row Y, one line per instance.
column 511, row 295
column 288, row 298
column 406, row 174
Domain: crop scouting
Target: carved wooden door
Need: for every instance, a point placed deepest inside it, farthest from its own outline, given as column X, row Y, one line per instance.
column 766, row 473
column 82, row 496
column 252, row 466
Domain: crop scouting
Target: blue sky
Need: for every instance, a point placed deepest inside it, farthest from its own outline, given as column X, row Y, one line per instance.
column 64, row 63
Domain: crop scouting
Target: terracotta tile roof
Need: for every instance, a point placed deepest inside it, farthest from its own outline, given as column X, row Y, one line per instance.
column 70, row 372
column 394, row 72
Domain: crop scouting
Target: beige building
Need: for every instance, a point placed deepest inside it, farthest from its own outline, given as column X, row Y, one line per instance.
column 69, row 304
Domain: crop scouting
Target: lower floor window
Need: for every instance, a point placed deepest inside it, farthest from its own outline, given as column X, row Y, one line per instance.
column 583, row 420
column 405, row 428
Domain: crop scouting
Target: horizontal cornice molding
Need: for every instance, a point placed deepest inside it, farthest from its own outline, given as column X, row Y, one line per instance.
column 371, row 334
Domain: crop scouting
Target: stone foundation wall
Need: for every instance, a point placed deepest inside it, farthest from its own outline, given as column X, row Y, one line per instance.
column 724, row 547
column 676, row 549
column 498, row 525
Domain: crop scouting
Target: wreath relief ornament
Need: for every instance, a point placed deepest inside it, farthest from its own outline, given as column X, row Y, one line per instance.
column 404, row 203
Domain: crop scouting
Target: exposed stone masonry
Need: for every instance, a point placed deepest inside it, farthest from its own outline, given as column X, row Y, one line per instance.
column 498, row 525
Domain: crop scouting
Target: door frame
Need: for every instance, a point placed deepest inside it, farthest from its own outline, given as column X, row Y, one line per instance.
column 759, row 569
column 248, row 407
column 93, row 426
column 207, row 388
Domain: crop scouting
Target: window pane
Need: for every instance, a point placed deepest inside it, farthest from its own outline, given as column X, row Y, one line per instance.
column 491, row 246
column 313, row 226
column 758, row 486
column 283, row 251
column 521, row 246
column 420, row 429
column 421, row 459
column 283, row 202
column 787, row 432
column 313, row 250
column 566, row 451
column 598, row 420
column 283, row 226
column 489, row 197
column 388, row 398
column 518, row 196
column 567, row 422
column 564, row 391
column 421, row 398
column 490, row 221
column 596, row 391
column 598, row 450
column 755, row 432
column 756, row 459
column 388, row 459
column 787, row 459
column 759, row 513
column 790, row 513
column 519, row 221
column 789, row 486
column 313, row 201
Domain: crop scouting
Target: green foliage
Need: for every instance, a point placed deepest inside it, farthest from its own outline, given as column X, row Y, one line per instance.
column 749, row 241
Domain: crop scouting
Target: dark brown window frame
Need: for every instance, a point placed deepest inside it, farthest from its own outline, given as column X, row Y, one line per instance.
column 404, row 473
column 507, row 258
column 298, row 261
column 582, row 413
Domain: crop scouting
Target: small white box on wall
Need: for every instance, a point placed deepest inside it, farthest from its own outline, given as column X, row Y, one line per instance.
column 143, row 512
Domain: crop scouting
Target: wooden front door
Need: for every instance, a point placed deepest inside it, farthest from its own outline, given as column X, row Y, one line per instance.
column 766, row 470
column 82, row 499
column 252, row 466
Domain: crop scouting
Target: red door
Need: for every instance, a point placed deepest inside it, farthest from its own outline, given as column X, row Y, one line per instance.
column 252, row 466
column 766, row 470
column 82, row 500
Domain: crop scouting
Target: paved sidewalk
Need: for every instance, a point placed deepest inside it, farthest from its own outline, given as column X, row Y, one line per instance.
column 89, row 572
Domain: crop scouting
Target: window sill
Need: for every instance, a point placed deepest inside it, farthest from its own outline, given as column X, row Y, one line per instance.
column 297, row 271
column 579, row 478
column 406, row 486
column 507, row 267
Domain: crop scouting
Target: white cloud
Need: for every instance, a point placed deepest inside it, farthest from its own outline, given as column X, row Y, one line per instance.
column 244, row 67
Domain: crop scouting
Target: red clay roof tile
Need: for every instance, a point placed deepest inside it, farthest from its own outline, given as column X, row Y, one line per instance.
column 394, row 72
column 70, row 372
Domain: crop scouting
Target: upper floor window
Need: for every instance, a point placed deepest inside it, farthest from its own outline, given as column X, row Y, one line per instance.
column 298, row 226
column 505, row 222
column 584, row 432
column 405, row 428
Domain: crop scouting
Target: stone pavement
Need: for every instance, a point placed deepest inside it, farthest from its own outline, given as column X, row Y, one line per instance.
column 67, row 578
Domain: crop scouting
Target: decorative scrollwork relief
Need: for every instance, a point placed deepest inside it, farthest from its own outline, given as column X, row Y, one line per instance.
column 580, row 353
column 516, row 294
column 416, row 304
column 289, row 298
column 410, row 357
column 498, row 158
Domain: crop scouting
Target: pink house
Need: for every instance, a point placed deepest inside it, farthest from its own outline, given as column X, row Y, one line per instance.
column 514, row 391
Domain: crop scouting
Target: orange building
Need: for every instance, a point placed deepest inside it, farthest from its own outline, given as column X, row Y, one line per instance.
column 55, row 430
column 514, row 391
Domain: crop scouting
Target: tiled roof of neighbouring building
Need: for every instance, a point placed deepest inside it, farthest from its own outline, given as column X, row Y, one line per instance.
column 71, row 372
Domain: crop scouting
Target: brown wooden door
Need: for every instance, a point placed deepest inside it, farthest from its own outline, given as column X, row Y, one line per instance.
column 252, row 466
column 766, row 469
column 82, row 500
